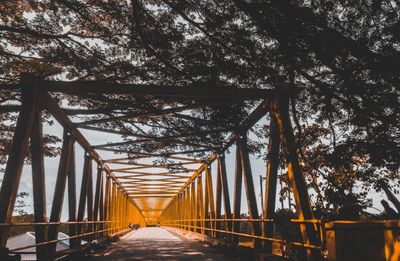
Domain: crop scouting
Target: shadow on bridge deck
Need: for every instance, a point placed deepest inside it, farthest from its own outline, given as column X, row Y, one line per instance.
column 161, row 244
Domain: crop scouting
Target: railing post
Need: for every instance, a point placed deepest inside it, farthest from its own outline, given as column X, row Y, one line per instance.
column 15, row 161
column 89, row 194
column 87, row 168
column 58, row 199
column 218, row 200
column 249, row 186
column 303, row 206
column 38, row 179
column 225, row 191
column 237, row 196
column 74, row 242
column 270, row 182
column 186, row 207
column 101, row 209
column 210, row 201
column 107, row 205
column 97, row 198
column 193, row 205
column 200, row 208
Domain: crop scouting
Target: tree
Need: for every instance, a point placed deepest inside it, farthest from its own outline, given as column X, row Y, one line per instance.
column 340, row 58
column 20, row 204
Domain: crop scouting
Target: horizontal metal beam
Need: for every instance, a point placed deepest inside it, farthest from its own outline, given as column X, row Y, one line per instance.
column 138, row 197
column 155, row 192
column 170, row 157
column 172, row 141
column 132, row 134
column 194, row 91
column 141, row 154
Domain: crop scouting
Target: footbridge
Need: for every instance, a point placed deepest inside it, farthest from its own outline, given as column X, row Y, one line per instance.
column 160, row 176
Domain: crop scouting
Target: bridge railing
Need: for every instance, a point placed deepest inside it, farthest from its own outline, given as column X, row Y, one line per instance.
column 92, row 230
column 225, row 234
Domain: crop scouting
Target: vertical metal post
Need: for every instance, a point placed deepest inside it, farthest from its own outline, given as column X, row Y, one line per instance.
column 72, row 197
column 210, row 193
column 58, row 199
column 206, row 205
column 87, row 166
column 271, row 181
column 97, row 198
column 107, row 204
column 15, row 161
column 38, row 180
column 89, row 199
column 101, row 209
column 218, row 199
column 186, row 196
column 193, row 205
column 200, row 208
column 262, row 193
column 225, row 191
column 237, row 196
column 303, row 206
column 249, row 186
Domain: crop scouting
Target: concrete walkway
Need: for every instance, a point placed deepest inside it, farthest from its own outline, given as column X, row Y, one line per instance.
column 160, row 244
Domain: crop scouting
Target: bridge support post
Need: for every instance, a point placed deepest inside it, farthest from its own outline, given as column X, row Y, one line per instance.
column 193, row 206
column 200, row 208
column 309, row 231
column 63, row 169
column 15, row 161
column 218, row 200
column 271, row 180
column 225, row 191
column 249, row 186
column 237, row 195
column 107, row 205
column 87, row 169
column 72, row 228
column 211, row 206
column 98, row 198
column 38, row 179
column 89, row 198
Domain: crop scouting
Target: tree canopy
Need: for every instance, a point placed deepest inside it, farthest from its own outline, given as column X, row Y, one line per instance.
column 341, row 59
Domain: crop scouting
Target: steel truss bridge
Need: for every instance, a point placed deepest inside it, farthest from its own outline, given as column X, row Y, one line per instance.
column 145, row 194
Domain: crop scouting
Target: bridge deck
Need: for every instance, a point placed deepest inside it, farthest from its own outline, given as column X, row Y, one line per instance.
column 161, row 244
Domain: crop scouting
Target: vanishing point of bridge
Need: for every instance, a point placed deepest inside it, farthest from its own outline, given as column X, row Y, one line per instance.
column 179, row 194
